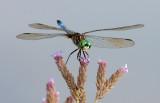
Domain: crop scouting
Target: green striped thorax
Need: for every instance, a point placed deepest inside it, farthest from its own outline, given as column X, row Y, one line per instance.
column 85, row 44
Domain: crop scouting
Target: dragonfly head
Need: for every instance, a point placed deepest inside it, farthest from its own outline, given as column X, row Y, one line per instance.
column 85, row 44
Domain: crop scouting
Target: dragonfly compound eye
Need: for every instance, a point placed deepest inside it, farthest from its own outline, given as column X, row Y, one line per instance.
column 85, row 44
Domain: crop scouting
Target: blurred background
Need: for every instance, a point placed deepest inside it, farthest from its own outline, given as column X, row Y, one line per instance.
column 26, row 66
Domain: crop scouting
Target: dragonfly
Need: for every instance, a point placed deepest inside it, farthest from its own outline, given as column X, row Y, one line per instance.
column 83, row 41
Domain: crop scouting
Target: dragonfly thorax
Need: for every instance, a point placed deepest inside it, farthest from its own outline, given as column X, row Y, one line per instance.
column 80, row 41
column 84, row 44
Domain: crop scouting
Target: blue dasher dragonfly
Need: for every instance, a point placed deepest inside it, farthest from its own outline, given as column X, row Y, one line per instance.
column 81, row 40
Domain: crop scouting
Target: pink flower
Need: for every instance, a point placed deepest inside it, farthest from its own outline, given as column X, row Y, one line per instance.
column 124, row 69
column 84, row 60
column 53, row 96
column 102, row 62
column 50, row 84
column 57, row 55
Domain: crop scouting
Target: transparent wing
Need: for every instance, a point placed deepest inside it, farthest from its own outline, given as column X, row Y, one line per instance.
column 123, row 28
column 37, row 36
column 47, row 27
column 109, row 42
column 44, row 26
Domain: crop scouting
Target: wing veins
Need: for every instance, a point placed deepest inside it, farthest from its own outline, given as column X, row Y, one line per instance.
column 123, row 28
column 44, row 27
column 38, row 36
column 110, row 42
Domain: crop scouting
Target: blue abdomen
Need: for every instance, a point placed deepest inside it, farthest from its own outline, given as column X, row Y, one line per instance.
column 60, row 23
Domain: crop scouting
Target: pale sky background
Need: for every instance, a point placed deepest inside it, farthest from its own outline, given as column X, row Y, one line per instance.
column 26, row 66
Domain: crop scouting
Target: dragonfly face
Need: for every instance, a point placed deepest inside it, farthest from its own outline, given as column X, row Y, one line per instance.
column 82, row 40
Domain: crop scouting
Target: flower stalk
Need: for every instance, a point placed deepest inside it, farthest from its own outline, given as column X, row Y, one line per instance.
column 77, row 88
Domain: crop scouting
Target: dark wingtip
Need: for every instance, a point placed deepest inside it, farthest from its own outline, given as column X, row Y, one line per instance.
column 141, row 25
column 129, row 39
column 18, row 36
column 21, row 36
column 26, row 33
column 132, row 43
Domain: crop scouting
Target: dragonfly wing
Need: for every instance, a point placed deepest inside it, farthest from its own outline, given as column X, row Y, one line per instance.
column 37, row 36
column 44, row 26
column 123, row 28
column 47, row 27
column 109, row 42
column 69, row 31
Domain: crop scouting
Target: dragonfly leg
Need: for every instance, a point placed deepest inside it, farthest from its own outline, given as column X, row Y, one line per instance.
column 71, row 54
column 86, row 54
column 79, row 55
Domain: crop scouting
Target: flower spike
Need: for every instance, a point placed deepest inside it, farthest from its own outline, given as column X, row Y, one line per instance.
column 84, row 60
